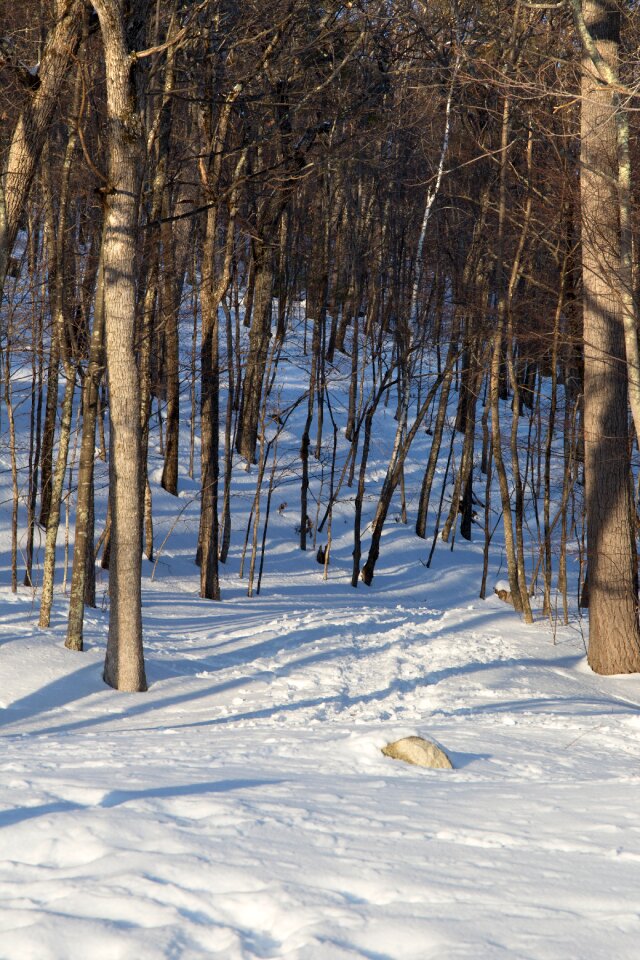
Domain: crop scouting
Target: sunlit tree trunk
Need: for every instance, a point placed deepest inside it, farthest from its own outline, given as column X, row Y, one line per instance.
column 33, row 125
column 614, row 638
column 124, row 664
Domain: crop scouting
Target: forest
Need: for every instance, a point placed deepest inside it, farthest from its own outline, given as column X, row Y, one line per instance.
column 436, row 199
column 319, row 426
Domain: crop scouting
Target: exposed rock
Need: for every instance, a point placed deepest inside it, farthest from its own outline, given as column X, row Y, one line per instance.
column 420, row 752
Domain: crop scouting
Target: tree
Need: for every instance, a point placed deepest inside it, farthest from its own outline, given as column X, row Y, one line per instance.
column 124, row 663
column 614, row 636
column 34, row 122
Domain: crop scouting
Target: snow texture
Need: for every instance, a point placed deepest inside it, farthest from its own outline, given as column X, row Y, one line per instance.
column 242, row 807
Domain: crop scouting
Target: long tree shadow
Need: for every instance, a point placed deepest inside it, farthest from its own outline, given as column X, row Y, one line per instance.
column 567, row 662
column 559, row 706
column 116, row 798
column 65, row 690
column 87, row 680
column 341, row 702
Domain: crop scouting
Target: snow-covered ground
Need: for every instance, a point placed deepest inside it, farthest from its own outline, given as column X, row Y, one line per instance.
column 242, row 807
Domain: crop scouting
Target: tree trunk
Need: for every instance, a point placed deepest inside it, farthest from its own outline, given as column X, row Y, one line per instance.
column 62, row 278
column 614, row 638
column 124, row 663
column 213, row 289
column 82, row 544
column 33, row 125
column 209, row 419
column 170, row 312
column 394, row 472
column 259, row 337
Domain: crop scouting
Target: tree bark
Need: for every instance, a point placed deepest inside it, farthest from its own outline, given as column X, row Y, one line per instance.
column 82, row 544
column 614, row 638
column 33, row 125
column 124, row 663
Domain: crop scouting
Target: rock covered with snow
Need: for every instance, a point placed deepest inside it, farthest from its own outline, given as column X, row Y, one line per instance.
column 502, row 589
column 420, row 752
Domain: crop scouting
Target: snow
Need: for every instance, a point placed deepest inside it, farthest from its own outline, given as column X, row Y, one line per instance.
column 242, row 807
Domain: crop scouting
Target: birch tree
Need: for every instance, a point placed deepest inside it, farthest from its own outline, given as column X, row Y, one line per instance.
column 124, row 663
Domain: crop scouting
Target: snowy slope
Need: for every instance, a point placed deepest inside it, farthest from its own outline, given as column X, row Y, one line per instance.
column 241, row 808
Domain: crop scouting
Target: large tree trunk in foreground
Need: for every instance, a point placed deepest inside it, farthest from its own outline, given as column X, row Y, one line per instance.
column 124, row 664
column 614, row 638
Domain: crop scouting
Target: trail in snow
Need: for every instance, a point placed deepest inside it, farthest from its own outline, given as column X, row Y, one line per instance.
column 242, row 808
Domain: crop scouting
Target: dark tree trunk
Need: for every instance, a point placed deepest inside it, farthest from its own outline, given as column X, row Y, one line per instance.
column 83, row 561
column 614, row 638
